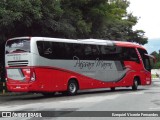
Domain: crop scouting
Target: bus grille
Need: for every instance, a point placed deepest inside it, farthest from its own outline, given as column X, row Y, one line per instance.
column 18, row 63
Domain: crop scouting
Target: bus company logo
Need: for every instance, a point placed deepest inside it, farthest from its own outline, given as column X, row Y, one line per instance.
column 6, row 114
column 91, row 64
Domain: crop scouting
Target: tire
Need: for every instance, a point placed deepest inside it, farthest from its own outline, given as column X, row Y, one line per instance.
column 72, row 88
column 135, row 84
column 47, row 94
column 113, row 89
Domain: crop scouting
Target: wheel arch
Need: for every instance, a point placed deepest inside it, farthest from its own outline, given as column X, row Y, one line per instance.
column 138, row 79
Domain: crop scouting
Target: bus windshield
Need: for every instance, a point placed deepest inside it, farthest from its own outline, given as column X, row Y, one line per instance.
column 18, row 46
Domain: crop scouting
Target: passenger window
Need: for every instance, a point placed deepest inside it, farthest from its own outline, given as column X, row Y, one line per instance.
column 47, row 49
column 130, row 54
column 88, row 50
column 40, row 47
column 110, row 52
column 78, row 50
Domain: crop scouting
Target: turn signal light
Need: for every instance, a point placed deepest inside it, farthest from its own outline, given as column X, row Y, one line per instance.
column 33, row 77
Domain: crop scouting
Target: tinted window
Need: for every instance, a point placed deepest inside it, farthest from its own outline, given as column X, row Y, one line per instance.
column 142, row 52
column 129, row 54
column 62, row 50
column 145, row 59
column 78, row 50
column 119, row 53
column 91, row 52
column 110, row 52
column 40, row 47
column 57, row 50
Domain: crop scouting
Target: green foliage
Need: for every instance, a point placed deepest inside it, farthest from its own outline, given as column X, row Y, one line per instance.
column 157, row 56
column 138, row 37
column 102, row 19
column 29, row 17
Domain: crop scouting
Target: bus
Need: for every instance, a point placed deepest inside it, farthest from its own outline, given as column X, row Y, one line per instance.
column 48, row 65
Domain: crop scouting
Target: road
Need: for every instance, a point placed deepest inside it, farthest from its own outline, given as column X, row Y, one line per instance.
column 146, row 98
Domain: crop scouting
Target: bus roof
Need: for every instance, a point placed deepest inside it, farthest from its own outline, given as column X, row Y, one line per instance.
column 85, row 41
column 128, row 44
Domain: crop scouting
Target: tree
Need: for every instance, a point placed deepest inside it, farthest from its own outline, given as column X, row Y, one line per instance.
column 29, row 17
column 157, row 56
column 138, row 36
column 118, row 24
column 102, row 19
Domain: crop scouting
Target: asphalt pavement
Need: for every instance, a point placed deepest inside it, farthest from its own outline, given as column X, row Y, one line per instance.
column 91, row 104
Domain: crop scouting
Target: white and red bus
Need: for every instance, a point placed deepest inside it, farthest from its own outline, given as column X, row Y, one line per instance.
column 49, row 65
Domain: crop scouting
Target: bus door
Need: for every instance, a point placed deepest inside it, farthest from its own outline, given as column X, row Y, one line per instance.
column 149, row 61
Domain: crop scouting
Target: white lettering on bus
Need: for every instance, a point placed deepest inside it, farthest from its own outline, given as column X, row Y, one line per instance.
column 103, row 64
column 82, row 64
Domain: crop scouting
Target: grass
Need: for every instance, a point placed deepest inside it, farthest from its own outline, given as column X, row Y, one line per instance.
column 154, row 76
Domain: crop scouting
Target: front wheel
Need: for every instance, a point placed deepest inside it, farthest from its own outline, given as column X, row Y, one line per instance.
column 135, row 84
column 72, row 87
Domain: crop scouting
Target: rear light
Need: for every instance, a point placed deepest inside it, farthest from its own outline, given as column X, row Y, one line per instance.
column 33, row 77
column 26, row 71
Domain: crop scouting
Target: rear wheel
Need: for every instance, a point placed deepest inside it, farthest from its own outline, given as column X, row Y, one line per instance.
column 72, row 87
column 135, row 84
column 112, row 88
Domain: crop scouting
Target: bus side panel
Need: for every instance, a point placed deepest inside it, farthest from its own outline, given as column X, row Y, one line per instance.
column 145, row 77
column 54, row 80
column 48, row 79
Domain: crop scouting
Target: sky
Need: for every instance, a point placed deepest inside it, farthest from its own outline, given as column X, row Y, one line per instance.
column 149, row 21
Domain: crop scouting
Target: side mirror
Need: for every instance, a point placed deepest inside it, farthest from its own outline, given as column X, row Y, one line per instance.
column 152, row 60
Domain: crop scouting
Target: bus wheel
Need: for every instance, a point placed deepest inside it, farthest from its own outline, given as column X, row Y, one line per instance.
column 135, row 84
column 113, row 89
column 47, row 94
column 72, row 87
